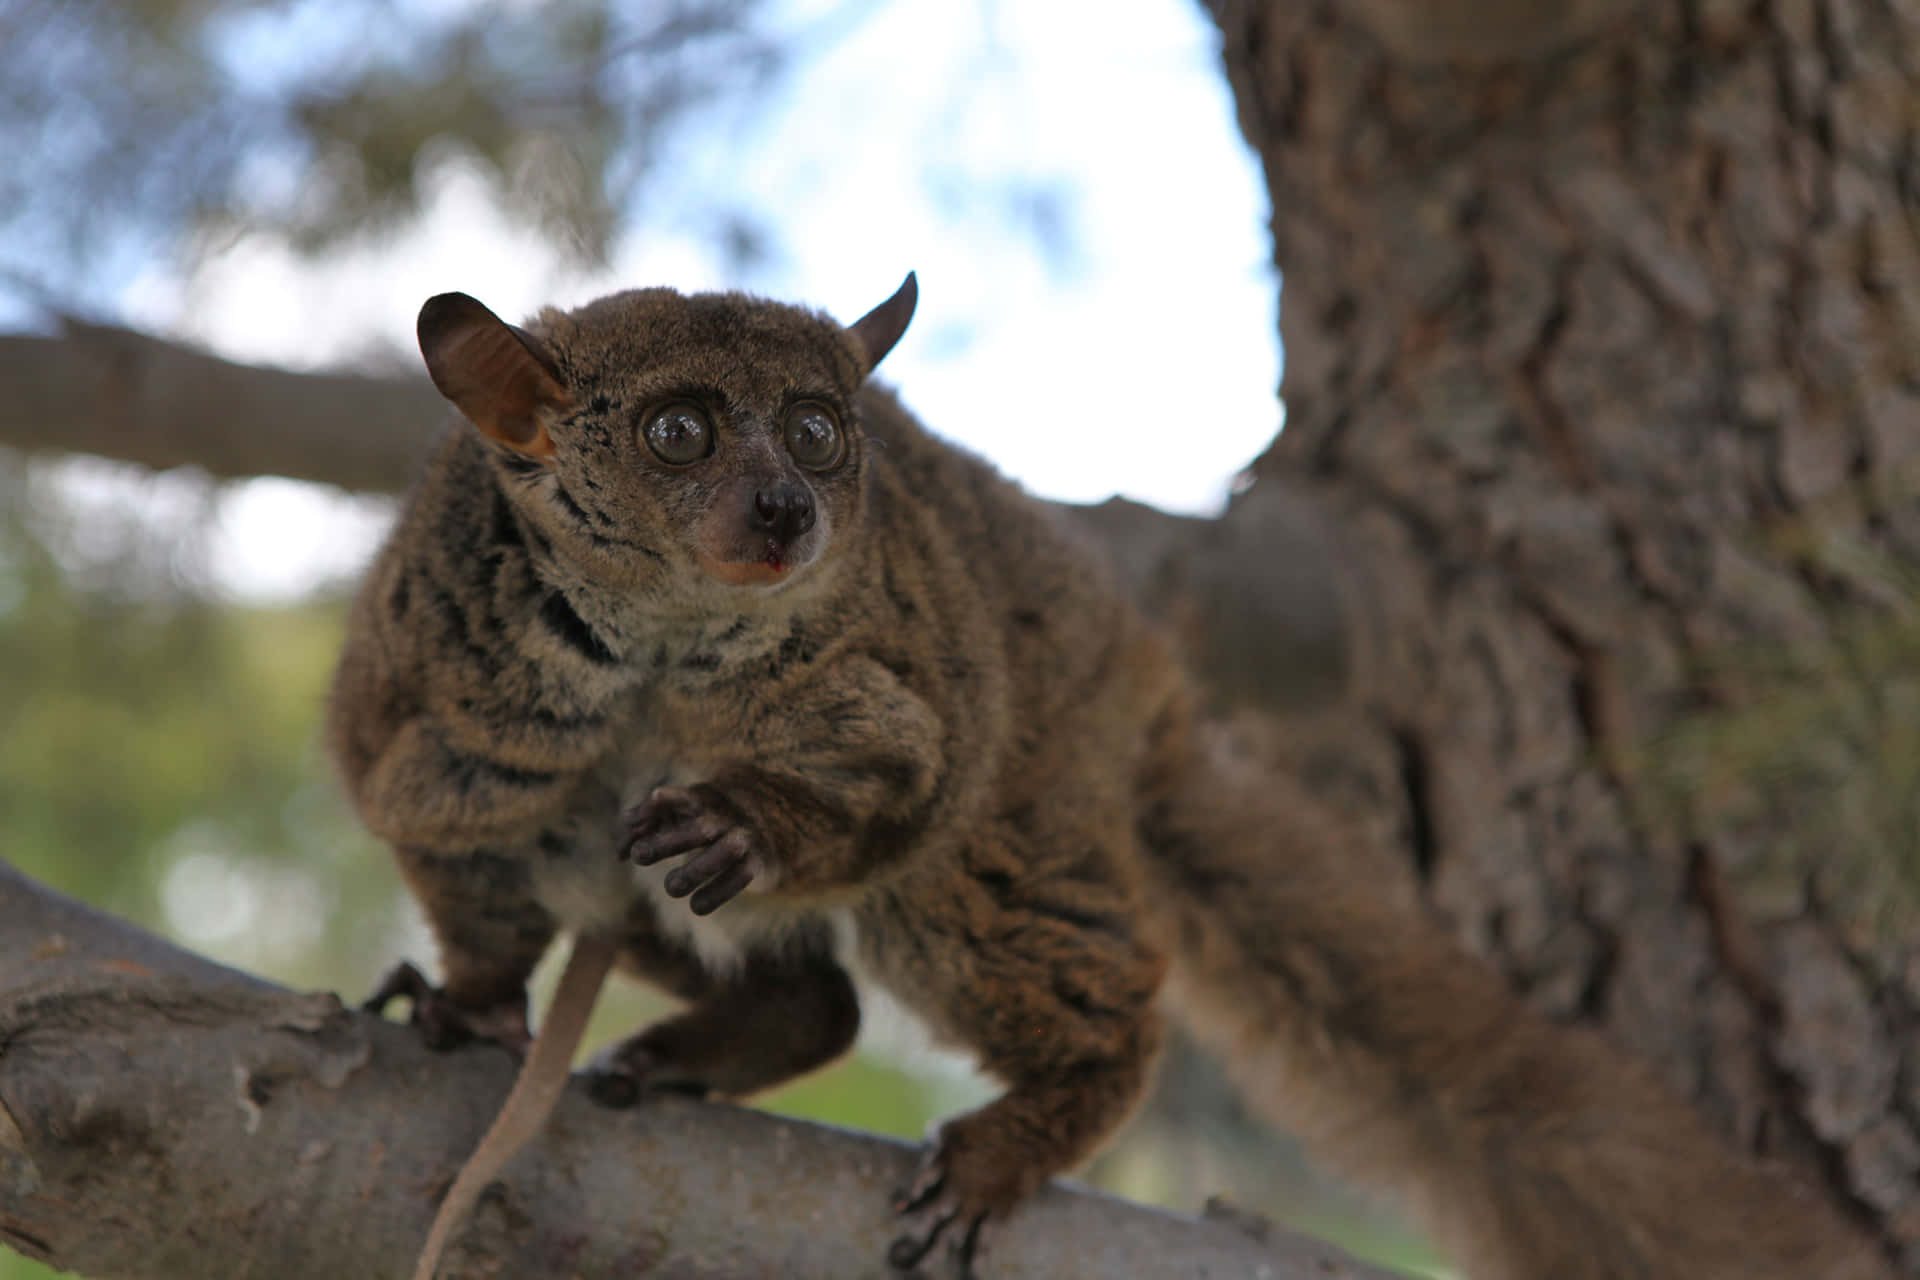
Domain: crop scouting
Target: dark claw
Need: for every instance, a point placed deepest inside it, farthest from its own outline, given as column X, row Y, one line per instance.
column 909, row 1249
column 906, row 1252
column 618, row 1091
column 927, row 1218
column 928, row 1206
column 444, row 1024
column 615, row 1089
column 440, row 1024
column 926, row 1184
column 401, row 980
column 622, row 1077
column 967, row 1246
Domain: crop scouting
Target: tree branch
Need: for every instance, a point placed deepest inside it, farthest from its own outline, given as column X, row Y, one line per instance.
column 120, row 393
column 1253, row 598
column 163, row 1116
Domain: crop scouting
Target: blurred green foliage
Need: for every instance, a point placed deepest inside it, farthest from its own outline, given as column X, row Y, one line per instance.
column 160, row 756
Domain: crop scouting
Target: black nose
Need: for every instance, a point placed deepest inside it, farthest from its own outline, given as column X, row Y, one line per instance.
column 784, row 511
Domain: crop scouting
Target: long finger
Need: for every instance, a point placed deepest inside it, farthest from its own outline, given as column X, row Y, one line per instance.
column 720, row 856
column 647, row 850
column 722, row 889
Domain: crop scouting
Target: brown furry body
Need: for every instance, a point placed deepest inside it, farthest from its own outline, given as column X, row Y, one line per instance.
column 926, row 743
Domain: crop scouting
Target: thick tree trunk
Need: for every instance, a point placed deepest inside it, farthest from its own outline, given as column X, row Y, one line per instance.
column 1603, row 352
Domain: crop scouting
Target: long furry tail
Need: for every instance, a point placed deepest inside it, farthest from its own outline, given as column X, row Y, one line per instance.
column 1527, row 1149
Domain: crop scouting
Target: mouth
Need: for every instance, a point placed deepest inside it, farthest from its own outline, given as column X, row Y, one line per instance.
column 773, row 564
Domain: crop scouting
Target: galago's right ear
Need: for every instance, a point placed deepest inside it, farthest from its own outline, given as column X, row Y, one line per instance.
column 876, row 332
column 499, row 376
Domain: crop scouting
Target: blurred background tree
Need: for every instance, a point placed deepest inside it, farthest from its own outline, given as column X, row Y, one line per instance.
column 1603, row 338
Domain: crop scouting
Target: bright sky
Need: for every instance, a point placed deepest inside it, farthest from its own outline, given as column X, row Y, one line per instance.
column 1144, row 361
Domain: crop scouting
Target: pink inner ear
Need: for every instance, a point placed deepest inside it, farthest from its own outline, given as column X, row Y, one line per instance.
column 488, row 371
column 509, row 377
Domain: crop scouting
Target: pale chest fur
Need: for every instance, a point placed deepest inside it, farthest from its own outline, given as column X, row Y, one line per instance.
column 583, row 881
column 589, row 888
column 579, row 875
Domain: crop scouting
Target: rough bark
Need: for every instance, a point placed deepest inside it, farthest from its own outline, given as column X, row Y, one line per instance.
column 161, row 1116
column 1429, row 31
column 1604, row 364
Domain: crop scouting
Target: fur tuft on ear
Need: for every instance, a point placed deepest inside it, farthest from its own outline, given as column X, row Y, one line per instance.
column 880, row 328
column 497, row 375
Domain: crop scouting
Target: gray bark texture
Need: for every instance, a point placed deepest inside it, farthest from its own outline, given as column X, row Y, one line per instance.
column 1602, row 331
column 1605, row 364
column 161, row 1116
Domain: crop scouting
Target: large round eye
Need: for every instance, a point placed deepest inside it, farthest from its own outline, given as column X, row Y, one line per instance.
column 813, row 437
column 679, row 434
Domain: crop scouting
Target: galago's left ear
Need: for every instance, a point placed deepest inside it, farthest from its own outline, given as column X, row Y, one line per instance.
column 877, row 331
column 496, row 374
